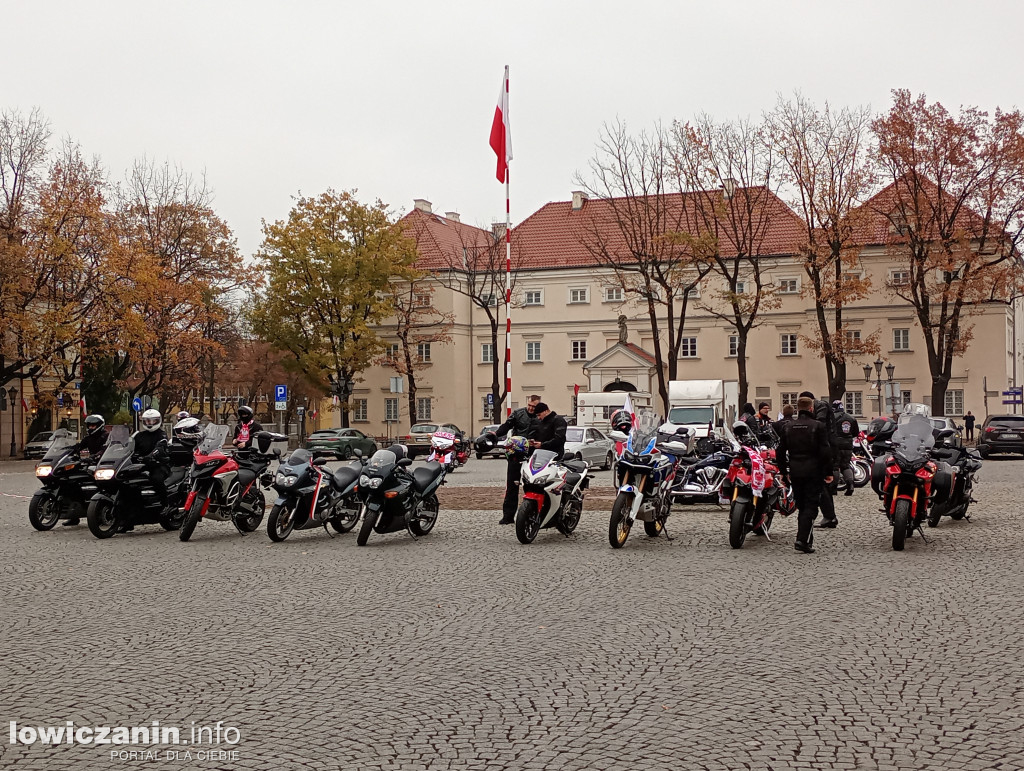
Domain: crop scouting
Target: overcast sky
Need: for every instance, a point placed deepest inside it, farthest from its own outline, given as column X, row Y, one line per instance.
column 395, row 98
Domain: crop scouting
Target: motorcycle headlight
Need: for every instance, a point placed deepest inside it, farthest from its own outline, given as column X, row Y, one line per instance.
column 43, row 471
column 286, row 480
column 375, row 482
column 104, row 474
column 364, row 481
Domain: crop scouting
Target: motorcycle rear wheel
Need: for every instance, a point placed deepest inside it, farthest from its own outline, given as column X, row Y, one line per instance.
column 427, row 517
column 653, row 529
column 102, row 519
column 570, row 517
column 346, row 520
column 280, row 523
column 249, row 522
column 619, row 524
column 861, row 473
column 527, row 521
column 738, row 524
column 191, row 519
column 900, row 523
column 43, row 512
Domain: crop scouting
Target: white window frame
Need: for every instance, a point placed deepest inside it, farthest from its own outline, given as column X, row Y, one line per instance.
column 539, row 293
column 423, row 409
column 954, row 400
column 391, row 410
column 853, row 402
column 489, row 300
column 789, row 340
column 853, row 339
column 794, row 290
column 614, row 294
column 533, row 351
column 788, row 397
column 359, row 410
column 422, row 300
column 392, row 351
column 485, row 349
column 894, row 272
column 906, row 343
column 578, row 350
column 688, row 347
column 585, row 297
column 734, row 346
column 692, row 293
column 741, row 287
column 421, row 349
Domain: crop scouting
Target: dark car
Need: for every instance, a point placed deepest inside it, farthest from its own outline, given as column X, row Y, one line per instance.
column 38, row 446
column 340, row 443
column 1001, row 433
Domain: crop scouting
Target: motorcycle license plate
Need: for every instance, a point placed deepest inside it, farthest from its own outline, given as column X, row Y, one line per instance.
column 1010, row 436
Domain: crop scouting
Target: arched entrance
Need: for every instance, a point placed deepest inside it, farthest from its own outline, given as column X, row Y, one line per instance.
column 620, row 385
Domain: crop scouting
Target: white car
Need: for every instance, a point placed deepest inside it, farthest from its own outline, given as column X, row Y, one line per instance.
column 589, row 444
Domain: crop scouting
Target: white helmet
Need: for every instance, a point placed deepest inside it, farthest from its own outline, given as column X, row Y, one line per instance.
column 151, row 420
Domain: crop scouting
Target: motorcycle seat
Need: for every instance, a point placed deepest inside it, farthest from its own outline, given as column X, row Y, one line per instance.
column 683, row 461
column 245, row 475
column 423, row 476
column 345, row 476
column 579, row 466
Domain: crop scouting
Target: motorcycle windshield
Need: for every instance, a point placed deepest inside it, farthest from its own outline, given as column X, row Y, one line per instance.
column 119, row 445
column 381, row 463
column 213, row 438
column 914, row 439
column 540, row 459
column 299, row 457
column 644, row 434
column 58, row 447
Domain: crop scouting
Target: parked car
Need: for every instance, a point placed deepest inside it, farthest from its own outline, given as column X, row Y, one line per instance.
column 498, row 451
column 589, row 444
column 340, row 443
column 418, row 439
column 1001, row 433
column 38, row 446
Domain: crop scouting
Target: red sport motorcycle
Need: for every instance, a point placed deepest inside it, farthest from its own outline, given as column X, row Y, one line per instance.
column 226, row 487
column 909, row 480
column 754, row 490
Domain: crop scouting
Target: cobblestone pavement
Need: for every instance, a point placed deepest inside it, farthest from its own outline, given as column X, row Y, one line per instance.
column 466, row 650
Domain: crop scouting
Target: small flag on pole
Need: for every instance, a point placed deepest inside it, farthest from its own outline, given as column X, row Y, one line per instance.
column 24, row 405
column 501, row 131
column 81, row 403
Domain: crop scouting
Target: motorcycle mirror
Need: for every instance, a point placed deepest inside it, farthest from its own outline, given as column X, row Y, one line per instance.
column 618, row 436
column 405, row 462
column 357, row 452
column 320, row 462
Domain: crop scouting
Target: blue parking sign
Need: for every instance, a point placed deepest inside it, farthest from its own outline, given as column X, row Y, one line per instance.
column 280, row 393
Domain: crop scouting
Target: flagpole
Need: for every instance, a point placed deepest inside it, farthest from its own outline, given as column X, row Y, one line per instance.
column 508, row 283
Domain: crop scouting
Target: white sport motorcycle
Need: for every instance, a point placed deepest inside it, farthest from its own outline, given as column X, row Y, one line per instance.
column 552, row 495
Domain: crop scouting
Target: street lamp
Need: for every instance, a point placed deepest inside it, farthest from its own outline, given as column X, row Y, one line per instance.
column 11, row 393
column 342, row 387
column 890, row 370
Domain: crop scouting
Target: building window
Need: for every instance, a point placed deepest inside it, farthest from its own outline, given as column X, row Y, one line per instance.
column 899, row 277
column 854, row 402
column 853, row 341
column 579, row 350
column 579, row 296
column 359, row 409
column 688, row 348
column 533, row 350
column 954, row 402
column 741, row 287
column 423, row 301
column 489, row 300
column 613, row 294
column 534, row 297
column 693, row 293
column 392, row 351
column 789, row 286
column 906, row 397
column 788, row 397
column 423, row 408
column 788, row 345
column 391, row 410
column 734, row 345
column 487, row 353
column 423, row 351
column 901, row 339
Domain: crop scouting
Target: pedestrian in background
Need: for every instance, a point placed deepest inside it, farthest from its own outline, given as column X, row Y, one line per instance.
column 969, row 426
column 805, row 456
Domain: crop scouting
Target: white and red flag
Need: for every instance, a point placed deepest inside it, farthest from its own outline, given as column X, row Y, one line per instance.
column 81, row 403
column 501, row 131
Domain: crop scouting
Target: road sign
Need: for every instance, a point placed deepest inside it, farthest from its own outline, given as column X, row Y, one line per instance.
column 137, row 404
column 280, row 406
column 60, row 400
column 1013, row 391
column 301, row 411
column 490, row 399
column 280, row 394
column 1013, row 401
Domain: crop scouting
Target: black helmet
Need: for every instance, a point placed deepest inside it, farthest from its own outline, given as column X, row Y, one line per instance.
column 94, row 424
column 485, row 442
column 245, row 412
column 621, row 420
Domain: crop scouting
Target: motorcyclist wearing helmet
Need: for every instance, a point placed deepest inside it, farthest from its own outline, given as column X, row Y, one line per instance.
column 151, row 449
column 521, row 422
column 246, row 428
column 182, row 416
column 95, row 439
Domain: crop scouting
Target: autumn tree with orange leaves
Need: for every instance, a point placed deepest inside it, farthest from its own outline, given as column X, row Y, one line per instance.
column 954, row 206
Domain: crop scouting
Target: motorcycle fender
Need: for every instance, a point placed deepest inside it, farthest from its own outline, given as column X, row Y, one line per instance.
column 373, row 506
column 742, row 495
column 638, row 500
column 281, row 501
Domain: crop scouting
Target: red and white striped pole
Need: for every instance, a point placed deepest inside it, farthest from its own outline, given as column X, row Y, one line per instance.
column 501, row 143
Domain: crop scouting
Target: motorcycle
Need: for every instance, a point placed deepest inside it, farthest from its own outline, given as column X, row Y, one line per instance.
column 444, row 450
column 644, row 475
column 553, row 493
column 754, row 491
column 701, row 482
column 908, row 479
column 395, row 497
column 67, row 484
column 965, row 463
column 878, row 437
column 125, row 496
column 310, row 495
column 223, row 487
column 861, row 461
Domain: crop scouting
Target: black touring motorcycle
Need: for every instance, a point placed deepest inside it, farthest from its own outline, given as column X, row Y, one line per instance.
column 396, row 497
column 310, row 495
column 67, row 484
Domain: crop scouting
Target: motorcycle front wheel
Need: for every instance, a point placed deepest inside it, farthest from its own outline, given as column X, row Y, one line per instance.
column 369, row 520
column 900, row 524
column 43, row 512
column 102, row 518
column 570, row 516
column 281, row 522
column 619, row 524
column 527, row 521
column 191, row 519
column 738, row 524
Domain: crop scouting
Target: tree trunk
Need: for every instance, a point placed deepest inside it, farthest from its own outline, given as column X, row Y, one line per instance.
column 741, row 367
column 940, row 383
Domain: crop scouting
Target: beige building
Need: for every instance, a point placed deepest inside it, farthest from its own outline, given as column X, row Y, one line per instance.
column 566, row 331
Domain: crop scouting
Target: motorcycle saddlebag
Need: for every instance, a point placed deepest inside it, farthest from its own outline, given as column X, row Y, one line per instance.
column 878, row 475
column 942, row 484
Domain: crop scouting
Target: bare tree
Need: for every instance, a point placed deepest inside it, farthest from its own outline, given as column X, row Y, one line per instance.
column 636, row 230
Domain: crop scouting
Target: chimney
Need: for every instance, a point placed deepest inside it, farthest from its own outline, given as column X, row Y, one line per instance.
column 498, row 230
column 728, row 188
column 453, row 216
column 422, row 204
column 578, row 197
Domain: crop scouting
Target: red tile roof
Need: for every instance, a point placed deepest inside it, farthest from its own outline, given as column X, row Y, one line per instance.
column 642, row 353
column 441, row 241
column 873, row 225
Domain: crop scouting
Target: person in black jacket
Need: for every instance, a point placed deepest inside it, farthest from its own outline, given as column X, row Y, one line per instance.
column 151, row 449
column 521, row 422
column 246, row 428
column 551, row 427
column 846, row 430
column 823, row 414
column 804, row 455
column 95, row 439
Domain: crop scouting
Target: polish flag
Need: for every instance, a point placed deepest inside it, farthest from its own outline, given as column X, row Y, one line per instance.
column 501, row 131
column 81, row 403
column 24, row 405
column 628, row 407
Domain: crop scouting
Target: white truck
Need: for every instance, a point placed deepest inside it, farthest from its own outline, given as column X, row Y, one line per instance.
column 593, row 408
column 703, row 405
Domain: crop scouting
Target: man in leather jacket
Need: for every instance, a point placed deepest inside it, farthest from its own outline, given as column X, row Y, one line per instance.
column 824, row 415
column 804, row 455
column 151, row 450
column 846, row 431
column 520, row 423
column 551, row 427
column 95, row 439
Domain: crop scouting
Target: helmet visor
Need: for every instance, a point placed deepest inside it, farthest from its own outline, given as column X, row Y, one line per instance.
column 152, row 422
